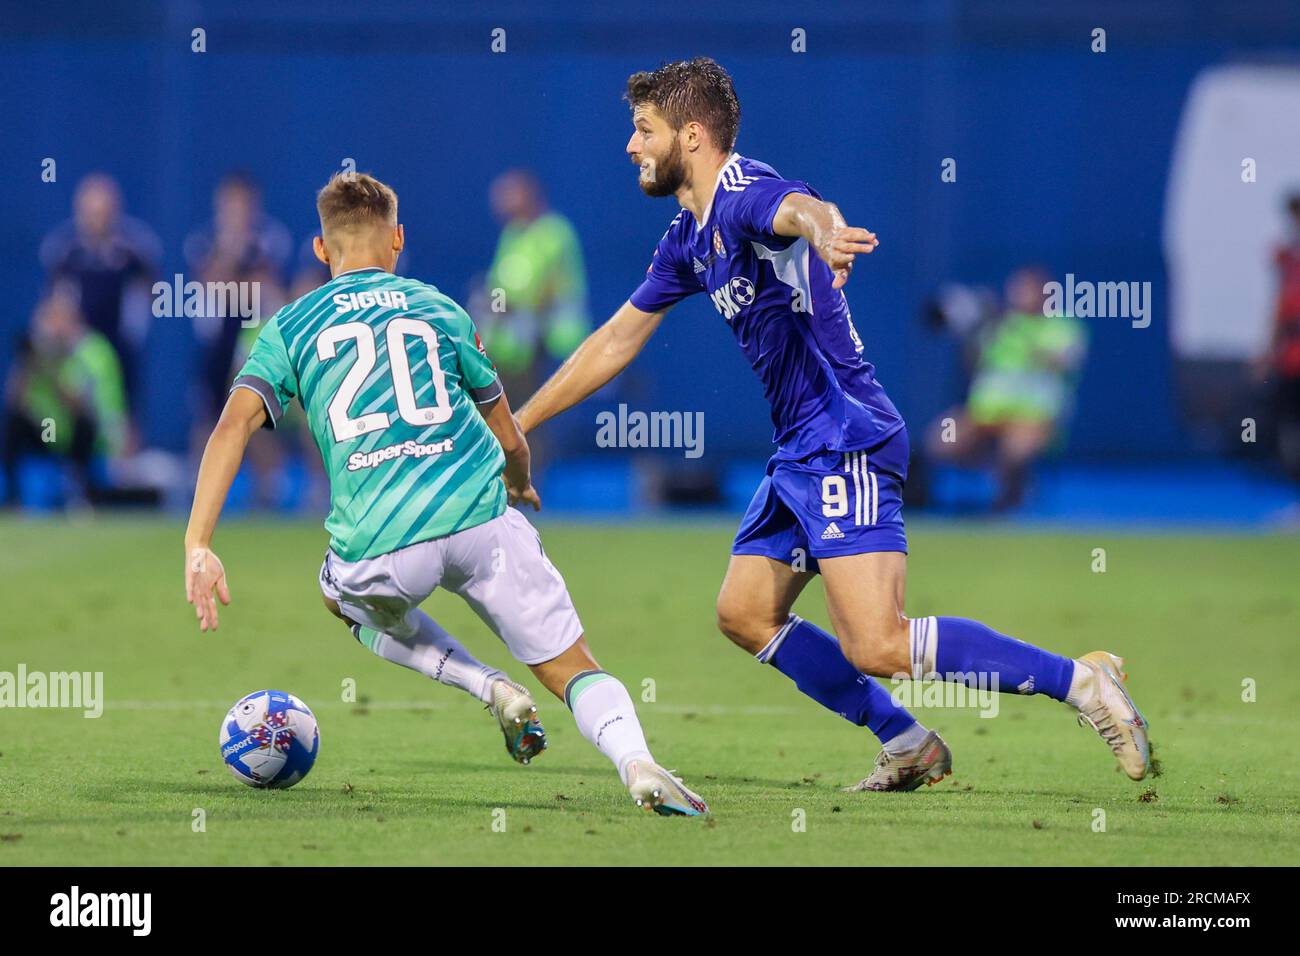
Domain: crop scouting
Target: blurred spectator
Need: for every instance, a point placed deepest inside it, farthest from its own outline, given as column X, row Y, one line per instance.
column 535, row 293
column 107, row 262
column 1022, row 389
column 241, row 244
column 64, row 397
column 1283, row 358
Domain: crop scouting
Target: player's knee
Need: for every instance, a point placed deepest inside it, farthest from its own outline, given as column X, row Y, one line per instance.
column 730, row 620
column 332, row 606
column 739, row 625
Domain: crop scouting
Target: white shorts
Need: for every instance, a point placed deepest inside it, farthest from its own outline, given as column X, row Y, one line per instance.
column 498, row 567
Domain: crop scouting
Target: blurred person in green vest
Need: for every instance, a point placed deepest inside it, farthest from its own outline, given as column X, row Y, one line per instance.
column 65, row 397
column 1022, row 389
column 533, row 303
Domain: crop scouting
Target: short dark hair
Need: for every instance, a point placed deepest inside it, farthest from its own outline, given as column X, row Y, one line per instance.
column 696, row 90
column 355, row 199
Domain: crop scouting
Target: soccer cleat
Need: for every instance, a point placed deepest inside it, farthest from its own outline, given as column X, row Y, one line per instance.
column 1109, row 710
column 516, row 714
column 928, row 763
column 654, row 788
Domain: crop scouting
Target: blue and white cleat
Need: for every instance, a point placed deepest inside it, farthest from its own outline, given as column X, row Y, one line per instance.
column 1108, row 709
column 516, row 715
column 654, row 788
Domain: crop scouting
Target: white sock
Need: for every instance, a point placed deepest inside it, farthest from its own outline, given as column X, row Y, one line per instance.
column 923, row 643
column 605, row 715
column 909, row 739
column 1080, row 686
column 434, row 653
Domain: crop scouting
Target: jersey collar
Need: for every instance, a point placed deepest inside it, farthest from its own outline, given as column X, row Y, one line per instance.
column 352, row 272
column 704, row 220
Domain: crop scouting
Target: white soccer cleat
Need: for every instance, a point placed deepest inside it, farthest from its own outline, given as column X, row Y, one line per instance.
column 654, row 788
column 1108, row 709
column 927, row 763
column 516, row 715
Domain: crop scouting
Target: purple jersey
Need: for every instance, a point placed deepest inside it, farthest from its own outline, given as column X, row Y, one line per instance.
column 775, row 294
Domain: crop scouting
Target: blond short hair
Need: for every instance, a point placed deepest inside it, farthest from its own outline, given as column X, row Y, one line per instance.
column 355, row 200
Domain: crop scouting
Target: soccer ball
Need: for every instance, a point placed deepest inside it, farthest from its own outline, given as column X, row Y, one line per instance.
column 269, row 739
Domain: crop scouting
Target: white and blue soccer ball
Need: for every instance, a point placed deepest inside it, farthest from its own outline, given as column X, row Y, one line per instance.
column 269, row 739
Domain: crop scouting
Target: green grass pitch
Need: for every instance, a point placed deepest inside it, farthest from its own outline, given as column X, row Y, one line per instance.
column 415, row 773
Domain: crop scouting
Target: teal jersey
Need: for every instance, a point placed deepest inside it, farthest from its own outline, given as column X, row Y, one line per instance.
column 389, row 371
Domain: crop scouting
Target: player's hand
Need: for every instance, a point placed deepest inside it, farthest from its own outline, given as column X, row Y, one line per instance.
column 841, row 245
column 528, row 496
column 204, row 575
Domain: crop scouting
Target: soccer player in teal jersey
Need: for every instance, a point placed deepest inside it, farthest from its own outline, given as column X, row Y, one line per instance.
column 424, row 457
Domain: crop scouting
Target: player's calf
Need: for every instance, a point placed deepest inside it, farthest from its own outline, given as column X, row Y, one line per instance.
column 424, row 647
column 605, row 715
column 877, row 646
column 957, row 649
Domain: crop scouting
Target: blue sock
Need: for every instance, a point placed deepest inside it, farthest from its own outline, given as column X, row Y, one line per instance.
column 813, row 660
column 957, row 646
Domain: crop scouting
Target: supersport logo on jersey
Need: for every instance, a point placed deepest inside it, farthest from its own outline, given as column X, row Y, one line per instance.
column 410, row 449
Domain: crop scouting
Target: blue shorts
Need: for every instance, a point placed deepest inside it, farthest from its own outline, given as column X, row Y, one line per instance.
column 827, row 505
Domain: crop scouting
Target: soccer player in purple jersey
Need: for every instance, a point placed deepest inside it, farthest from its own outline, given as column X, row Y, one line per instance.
column 774, row 257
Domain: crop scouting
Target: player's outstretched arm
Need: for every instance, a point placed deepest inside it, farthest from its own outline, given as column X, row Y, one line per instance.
column 822, row 224
column 604, row 353
column 518, row 471
column 204, row 574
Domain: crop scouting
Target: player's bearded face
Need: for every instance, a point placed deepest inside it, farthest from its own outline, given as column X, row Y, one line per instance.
column 663, row 175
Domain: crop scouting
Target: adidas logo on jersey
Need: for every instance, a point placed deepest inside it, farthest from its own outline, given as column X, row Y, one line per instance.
column 733, row 180
column 699, row 266
column 832, row 531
